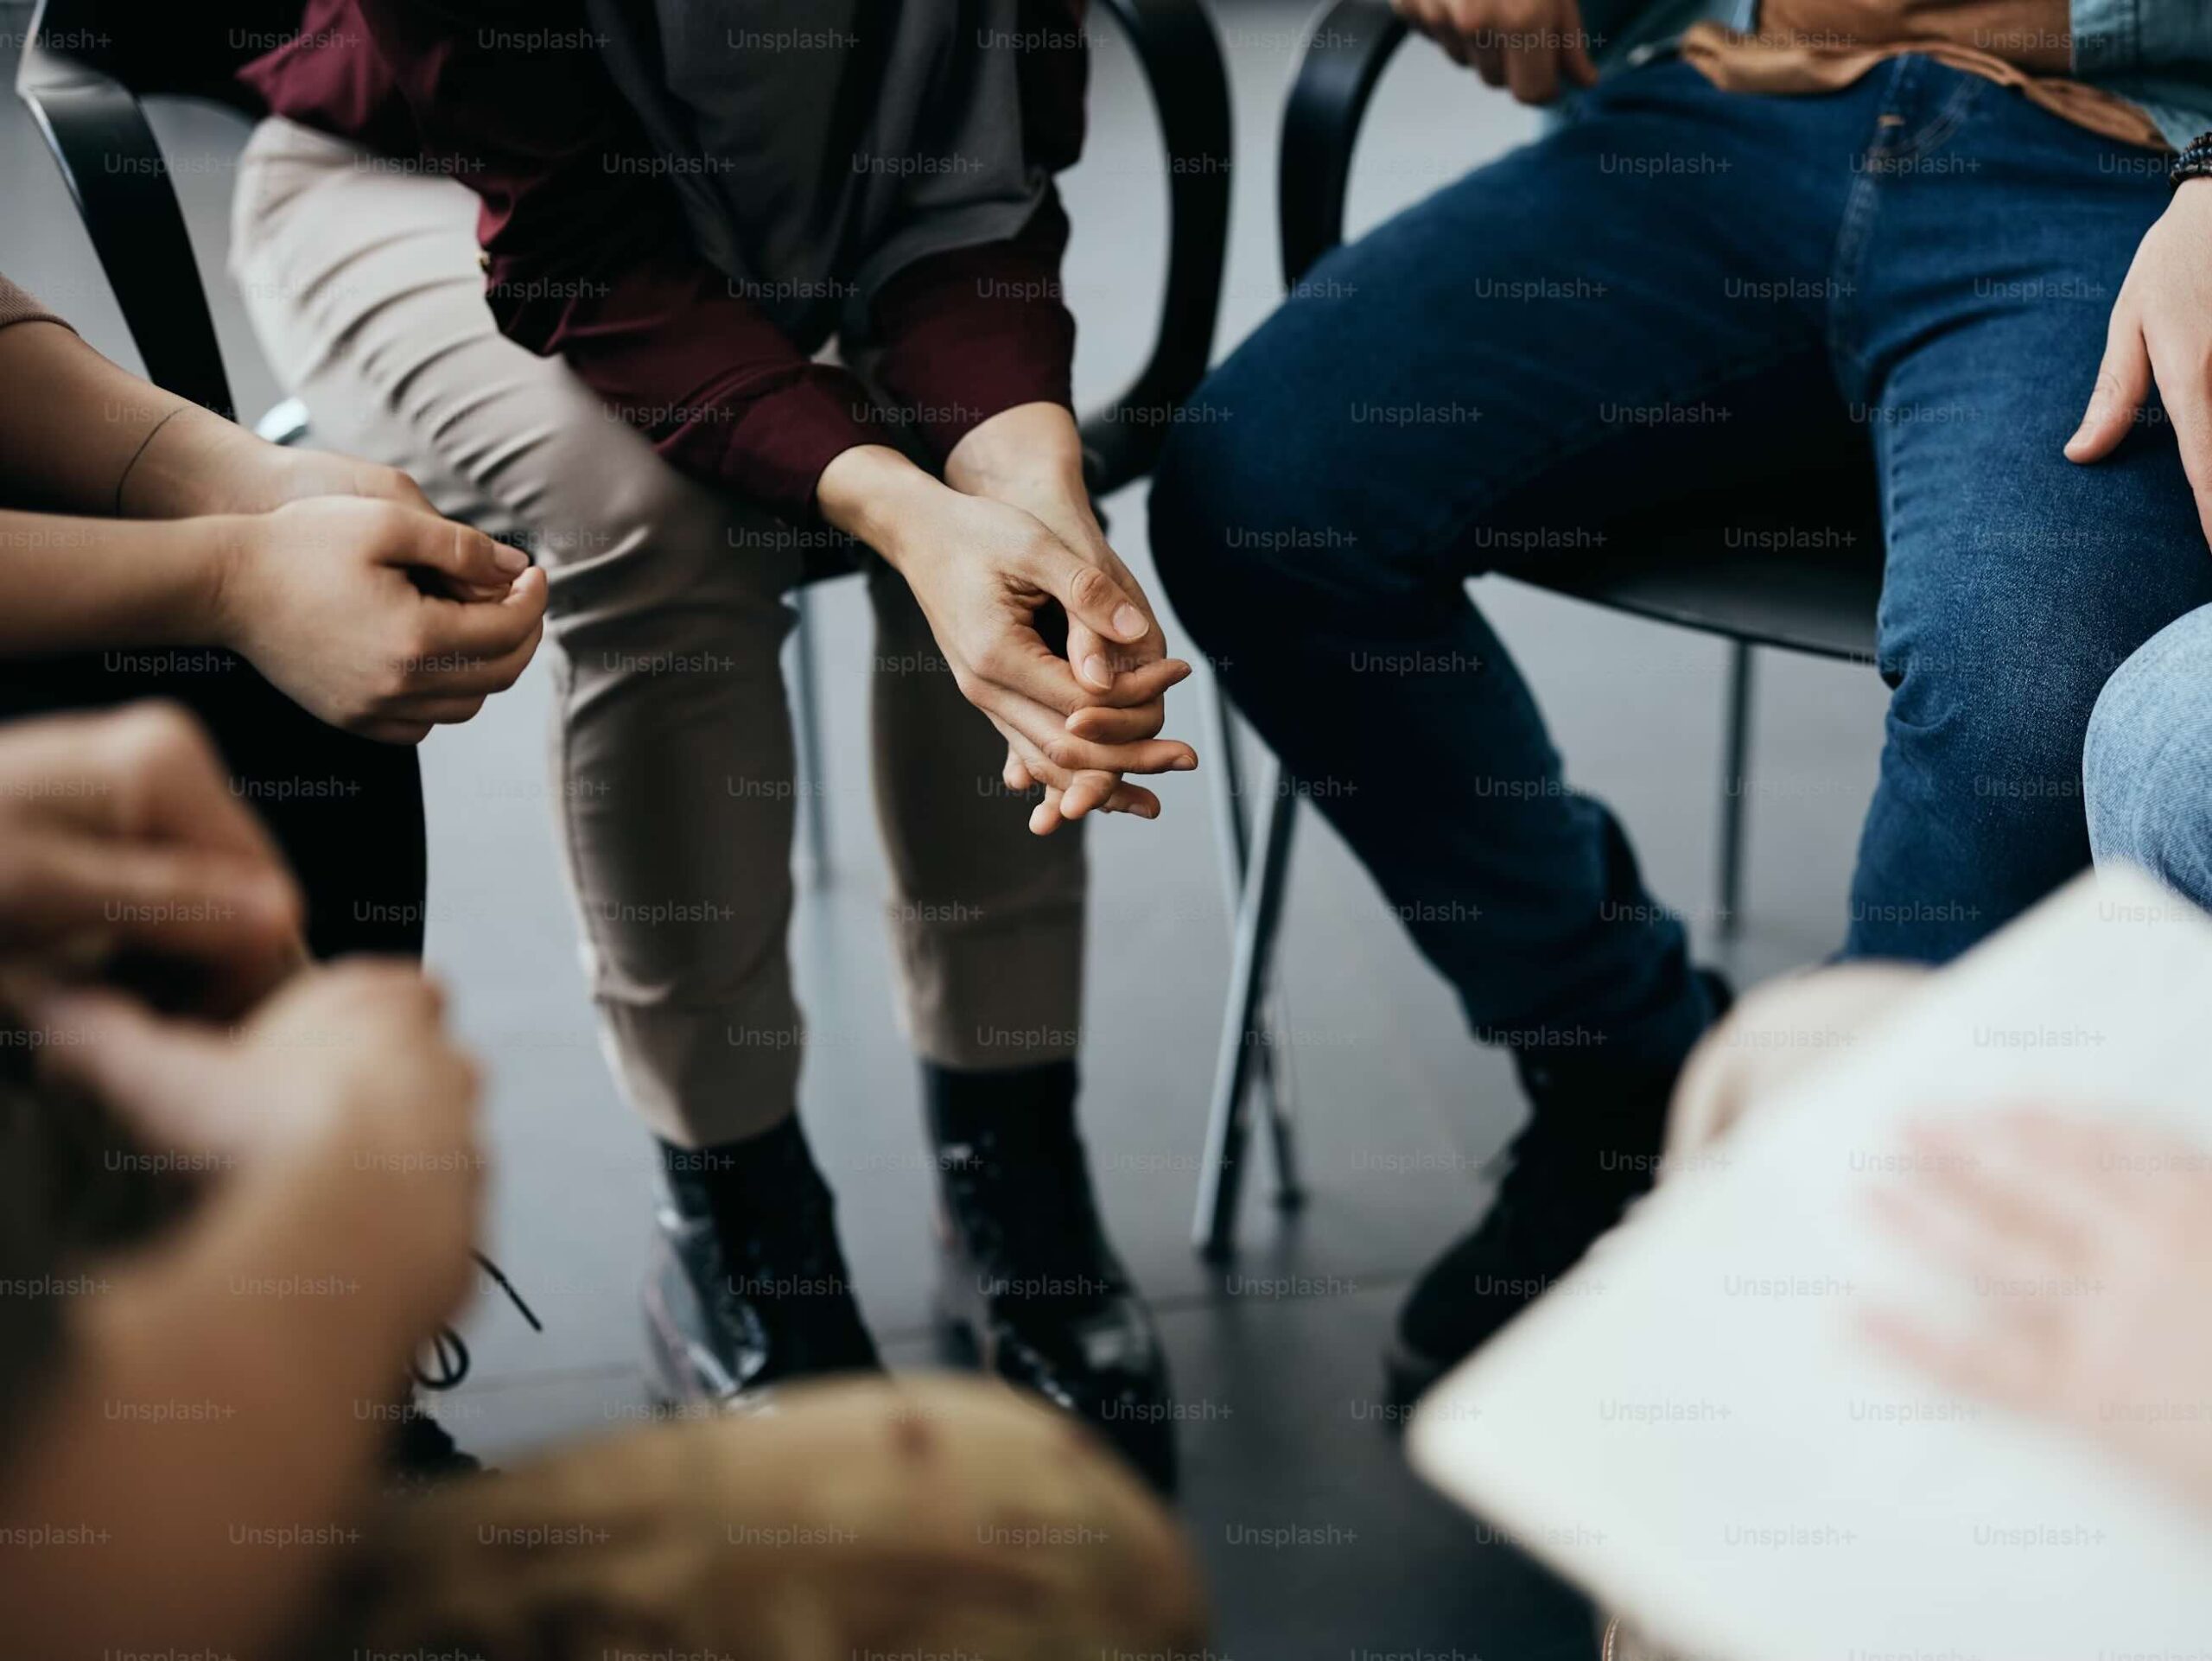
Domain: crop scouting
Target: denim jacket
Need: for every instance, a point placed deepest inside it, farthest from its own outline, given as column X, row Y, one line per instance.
column 2155, row 54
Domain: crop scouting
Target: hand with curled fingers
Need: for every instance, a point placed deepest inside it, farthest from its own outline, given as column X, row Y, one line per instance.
column 988, row 576
column 351, row 1066
column 1030, row 457
column 1536, row 49
column 120, row 838
column 376, row 615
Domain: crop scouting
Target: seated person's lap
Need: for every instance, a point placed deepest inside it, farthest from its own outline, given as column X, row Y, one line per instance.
column 1683, row 290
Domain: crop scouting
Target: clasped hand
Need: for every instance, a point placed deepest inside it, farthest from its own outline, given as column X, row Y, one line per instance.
column 1007, row 534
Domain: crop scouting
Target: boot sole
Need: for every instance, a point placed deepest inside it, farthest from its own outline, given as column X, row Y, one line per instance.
column 1149, row 1449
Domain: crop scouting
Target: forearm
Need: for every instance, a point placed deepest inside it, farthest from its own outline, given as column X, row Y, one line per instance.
column 80, row 584
column 1030, row 457
column 974, row 333
column 876, row 495
column 1026, row 451
column 216, row 1426
column 79, row 434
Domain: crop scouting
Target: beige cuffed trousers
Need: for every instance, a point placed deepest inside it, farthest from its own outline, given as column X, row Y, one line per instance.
column 674, row 774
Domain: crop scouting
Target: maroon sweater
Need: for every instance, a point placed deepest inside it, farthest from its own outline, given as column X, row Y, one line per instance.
column 587, row 254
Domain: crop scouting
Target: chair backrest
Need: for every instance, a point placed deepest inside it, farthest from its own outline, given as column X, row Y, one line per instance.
column 84, row 68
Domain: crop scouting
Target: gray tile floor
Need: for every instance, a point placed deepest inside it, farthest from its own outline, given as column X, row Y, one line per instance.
column 1275, row 1358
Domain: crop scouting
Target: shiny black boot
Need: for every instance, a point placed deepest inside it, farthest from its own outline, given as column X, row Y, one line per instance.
column 1028, row 1281
column 748, row 1288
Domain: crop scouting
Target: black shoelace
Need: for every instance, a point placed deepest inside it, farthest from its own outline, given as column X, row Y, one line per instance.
column 448, row 1350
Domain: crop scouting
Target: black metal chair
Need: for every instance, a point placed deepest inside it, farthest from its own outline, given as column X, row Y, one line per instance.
column 1679, row 567
column 87, row 64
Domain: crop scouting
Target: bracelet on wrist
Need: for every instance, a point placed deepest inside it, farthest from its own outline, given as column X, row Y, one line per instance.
column 2194, row 162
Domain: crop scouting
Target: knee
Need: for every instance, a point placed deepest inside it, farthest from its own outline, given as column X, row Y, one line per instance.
column 1990, row 724
column 640, row 559
column 1255, row 494
column 1204, row 490
column 2147, row 760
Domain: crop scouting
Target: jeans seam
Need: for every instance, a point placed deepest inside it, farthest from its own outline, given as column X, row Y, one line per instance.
column 1948, row 119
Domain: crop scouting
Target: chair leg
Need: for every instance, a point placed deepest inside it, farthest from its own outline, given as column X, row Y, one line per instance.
column 1259, row 911
column 1225, row 769
column 1271, row 1066
column 1735, row 770
column 1278, row 1096
column 807, row 718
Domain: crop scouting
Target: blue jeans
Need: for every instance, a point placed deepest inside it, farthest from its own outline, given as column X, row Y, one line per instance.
column 1677, row 292
column 2147, row 768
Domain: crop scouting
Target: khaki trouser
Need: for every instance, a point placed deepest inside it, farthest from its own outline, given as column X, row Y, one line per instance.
column 934, row 1516
column 673, row 757
column 1767, row 1039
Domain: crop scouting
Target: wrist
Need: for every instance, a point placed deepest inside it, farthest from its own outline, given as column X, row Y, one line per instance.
column 1029, row 451
column 224, row 548
column 196, row 463
column 877, row 495
column 2193, row 162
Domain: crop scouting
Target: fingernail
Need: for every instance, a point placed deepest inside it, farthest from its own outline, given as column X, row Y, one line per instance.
column 1185, row 763
column 1129, row 621
column 509, row 559
column 1097, row 672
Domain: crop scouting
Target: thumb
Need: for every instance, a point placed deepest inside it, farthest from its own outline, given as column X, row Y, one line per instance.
column 458, row 551
column 168, row 1080
column 1088, row 594
column 2123, row 382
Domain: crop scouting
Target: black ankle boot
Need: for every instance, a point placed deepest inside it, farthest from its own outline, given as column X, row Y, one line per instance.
column 749, row 1288
column 1027, row 1278
column 1591, row 1149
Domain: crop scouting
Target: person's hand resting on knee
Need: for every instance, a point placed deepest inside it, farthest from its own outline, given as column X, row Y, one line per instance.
column 1007, row 534
column 160, row 525
column 2160, row 330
